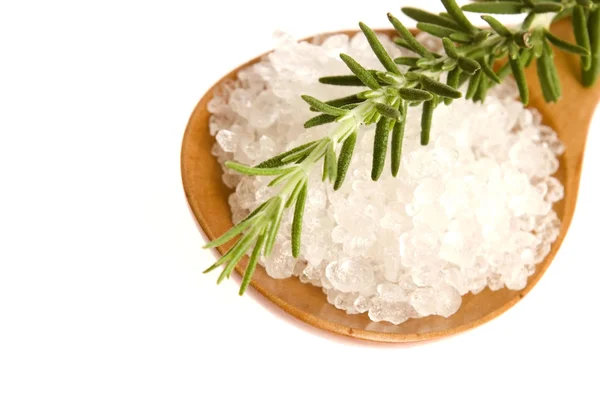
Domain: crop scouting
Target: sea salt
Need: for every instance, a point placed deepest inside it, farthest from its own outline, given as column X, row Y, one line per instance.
column 471, row 210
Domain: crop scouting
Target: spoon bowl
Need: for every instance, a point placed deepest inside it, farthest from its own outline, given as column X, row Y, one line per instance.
column 207, row 197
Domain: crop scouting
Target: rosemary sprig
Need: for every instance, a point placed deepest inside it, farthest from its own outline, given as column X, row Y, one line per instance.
column 468, row 58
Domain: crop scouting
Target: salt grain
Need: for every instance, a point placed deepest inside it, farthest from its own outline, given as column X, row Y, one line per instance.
column 471, row 210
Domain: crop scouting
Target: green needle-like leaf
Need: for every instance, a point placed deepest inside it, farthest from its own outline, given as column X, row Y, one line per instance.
column 458, row 16
column 519, row 74
column 581, row 35
column 331, row 162
column 364, row 75
column 424, row 16
column 473, row 85
column 461, row 37
column 439, row 88
column 528, row 21
column 449, row 48
column 294, row 195
column 542, row 8
column 590, row 76
column 256, row 171
column 342, row 80
column 436, row 30
column 397, row 138
column 323, row 107
column 503, row 7
column 546, row 77
column 344, row 160
column 236, row 229
column 497, row 26
column 426, row 117
column 240, row 249
column 350, row 99
column 378, row 49
column 413, row 94
column 387, row 111
column 489, row 72
column 409, row 38
column 297, row 221
column 319, row 120
column 408, row 61
column 468, row 65
column 278, row 207
column 482, row 88
column 252, row 263
column 380, row 144
column 277, row 161
column 452, row 81
column 566, row 46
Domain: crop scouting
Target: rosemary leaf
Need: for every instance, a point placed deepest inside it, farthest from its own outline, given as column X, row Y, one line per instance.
column 542, row 8
column 435, row 30
column 256, row 171
column 497, row 26
column 504, row 7
column 544, row 63
column 342, row 80
column 589, row 76
column 397, row 138
column 449, row 48
column 297, row 221
column 240, row 248
column 439, row 88
column 294, row 195
column 519, row 74
column 323, row 107
column 452, row 81
column 276, row 161
column 408, row 61
column 413, row 94
column 364, row 75
column 387, row 111
column 489, row 72
column 278, row 207
column 403, row 43
column 378, row 49
column 566, row 46
column 581, row 34
column 468, row 65
column 424, row 16
column 458, row 16
column 252, row 263
column 380, row 144
column 344, row 160
column 473, row 85
column 331, row 161
column 426, row 117
column 409, row 38
column 461, row 37
column 319, row 120
column 482, row 88
column 528, row 21
column 339, row 102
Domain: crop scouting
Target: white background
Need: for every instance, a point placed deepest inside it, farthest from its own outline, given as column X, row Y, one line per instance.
column 101, row 291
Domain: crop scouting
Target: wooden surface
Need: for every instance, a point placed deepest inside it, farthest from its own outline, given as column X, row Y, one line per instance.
column 207, row 197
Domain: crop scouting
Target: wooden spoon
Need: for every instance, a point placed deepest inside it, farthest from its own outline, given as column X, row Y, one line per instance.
column 207, row 197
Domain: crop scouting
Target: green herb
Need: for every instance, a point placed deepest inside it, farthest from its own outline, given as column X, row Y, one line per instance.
column 469, row 56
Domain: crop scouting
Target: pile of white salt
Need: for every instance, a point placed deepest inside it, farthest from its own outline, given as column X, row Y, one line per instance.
column 473, row 209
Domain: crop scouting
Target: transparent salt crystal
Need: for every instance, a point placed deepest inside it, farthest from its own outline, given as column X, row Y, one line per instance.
column 227, row 140
column 393, row 312
column 350, row 275
column 555, row 190
column 362, row 304
column 264, row 110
